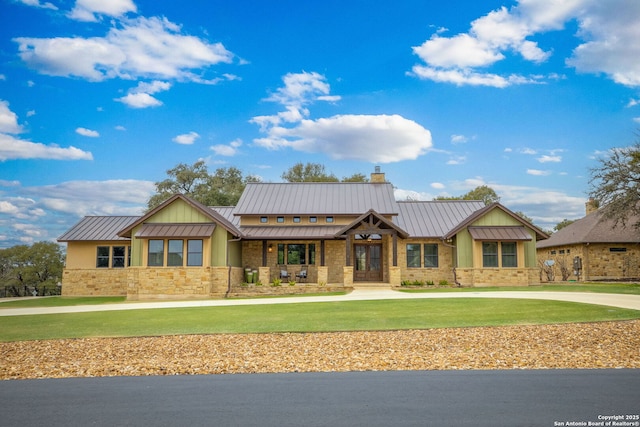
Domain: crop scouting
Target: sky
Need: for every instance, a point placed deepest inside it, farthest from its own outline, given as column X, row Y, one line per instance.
column 99, row 98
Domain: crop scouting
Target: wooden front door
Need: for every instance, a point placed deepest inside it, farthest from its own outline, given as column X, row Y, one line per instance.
column 368, row 263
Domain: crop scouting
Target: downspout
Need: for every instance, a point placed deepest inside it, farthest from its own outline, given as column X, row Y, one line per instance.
column 455, row 276
column 226, row 295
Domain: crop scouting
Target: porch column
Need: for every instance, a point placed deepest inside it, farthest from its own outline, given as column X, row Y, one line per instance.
column 395, row 250
column 348, row 249
column 264, row 253
column 322, row 252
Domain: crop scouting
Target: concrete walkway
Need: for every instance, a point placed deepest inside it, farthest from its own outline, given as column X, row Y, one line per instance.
column 613, row 300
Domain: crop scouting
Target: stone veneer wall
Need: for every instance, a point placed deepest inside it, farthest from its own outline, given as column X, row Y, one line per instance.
column 444, row 271
column 94, row 282
column 168, row 283
column 480, row 277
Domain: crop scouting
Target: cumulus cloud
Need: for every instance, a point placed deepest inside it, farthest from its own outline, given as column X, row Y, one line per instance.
column 437, row 185
column 375, row 138
column 227, row 150
column 39, row 4
column 186, row 138
column 86, row 10
column 537, row 172
column 140, row 96
column 133, row 48
column 87, row 132
column 610, row 30
column 459, row 139
column 12, row 148
column 8, row 119
column 546, row 159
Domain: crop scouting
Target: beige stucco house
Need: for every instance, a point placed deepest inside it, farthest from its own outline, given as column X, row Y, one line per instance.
column 317, row 235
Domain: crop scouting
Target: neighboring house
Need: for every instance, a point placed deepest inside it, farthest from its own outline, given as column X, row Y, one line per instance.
column 317, row 233
column 605, row 251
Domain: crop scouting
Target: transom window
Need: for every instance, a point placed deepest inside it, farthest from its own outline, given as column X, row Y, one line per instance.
column 280, row 219
column 329, row 219
column 296, row 219
column 264, row 219
column 313, row 219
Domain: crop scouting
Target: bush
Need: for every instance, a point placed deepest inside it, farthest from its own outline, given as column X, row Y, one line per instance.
column 443, row 283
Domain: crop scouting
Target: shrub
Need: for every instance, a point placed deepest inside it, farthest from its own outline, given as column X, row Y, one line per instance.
column 292, row 283
column 443, row 283
column 276, row 282
column 430, row 283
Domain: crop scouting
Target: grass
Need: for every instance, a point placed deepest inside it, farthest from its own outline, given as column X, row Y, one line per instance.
column 611, row 288
column 59, row 301
column 307, row 317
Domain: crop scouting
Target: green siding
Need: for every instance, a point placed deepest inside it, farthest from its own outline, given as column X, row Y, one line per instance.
column 235, row 253
column 219, row 247
column 464, row 248
column 178, row 212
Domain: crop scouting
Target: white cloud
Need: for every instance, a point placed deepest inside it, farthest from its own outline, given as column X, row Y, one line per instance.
column 186, row 138
column 31, row 113
column 537, row 172
column 609, row 29
column 633, row 102
column 303, row 88
column 437, row 185
column 87, row 132
column 459, row 139
column 8, row 119
column 636, row 119
column 120, row 128
column 530, row 151
column 546, row 159
column 13, row 148
column 227, row 150
column 37, row 3
column 86, row 10
column 140, row 96
column 457, row 160
column 137, row 48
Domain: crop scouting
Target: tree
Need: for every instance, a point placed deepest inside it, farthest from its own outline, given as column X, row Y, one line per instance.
column 615, row 184
column 35, row 265
column 562, row 224
column 482, row 192
column 310, row 172
column 356, row 177
column 223, row 188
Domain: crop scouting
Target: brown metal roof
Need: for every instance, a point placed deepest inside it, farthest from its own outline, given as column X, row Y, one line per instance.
column 175, row 230
column 98, row 228
column 434, row 218
column 316, row 198
column 499, row 233
column 370, row 219
column 290, row 232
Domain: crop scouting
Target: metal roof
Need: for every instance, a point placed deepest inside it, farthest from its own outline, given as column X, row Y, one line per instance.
column 175, row 230
column 316, row 198
column 434, row 218
column 95, row 228
column 593, row 228
column 290, row 232
column 501, row 233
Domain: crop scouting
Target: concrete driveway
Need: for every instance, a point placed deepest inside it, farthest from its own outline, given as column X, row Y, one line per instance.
column 613, row 300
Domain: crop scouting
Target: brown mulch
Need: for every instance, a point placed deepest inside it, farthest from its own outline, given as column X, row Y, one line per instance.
column 585, row 345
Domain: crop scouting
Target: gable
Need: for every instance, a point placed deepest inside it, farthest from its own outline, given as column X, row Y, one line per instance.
column 178, row 212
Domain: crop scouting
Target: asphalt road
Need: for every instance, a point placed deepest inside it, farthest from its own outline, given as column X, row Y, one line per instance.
column 432, row 398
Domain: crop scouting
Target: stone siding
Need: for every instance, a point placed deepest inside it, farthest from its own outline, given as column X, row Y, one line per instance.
column 444, row 271
column 481, row 277
column 94, row 282
column 172, row 283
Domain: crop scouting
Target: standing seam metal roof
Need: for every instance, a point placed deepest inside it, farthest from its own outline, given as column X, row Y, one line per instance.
column 316, row 198
column 94, row 228
column 435, row 218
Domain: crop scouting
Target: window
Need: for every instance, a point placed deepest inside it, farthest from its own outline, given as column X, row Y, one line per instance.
column 296, row 219
column 102, row 260
column 128, row 256
column 509, row 254
column 553, row 252
column 156, row 253
column 413, row 255
column 489, row 254
column 329, row 219
column 194, row 253
column 561, row 251
column 264, row 219
column 296, row 254
column 280, row 219
column 312, row 253
column 175, row 253
column 117, row 259
column 430, row 255
column 313, row 219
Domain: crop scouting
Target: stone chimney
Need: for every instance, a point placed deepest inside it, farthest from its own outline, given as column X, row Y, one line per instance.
column 591, row 206
column 377, row 176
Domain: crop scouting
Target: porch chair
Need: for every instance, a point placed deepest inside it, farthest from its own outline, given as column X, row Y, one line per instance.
column 302, row 275
column 284, row 274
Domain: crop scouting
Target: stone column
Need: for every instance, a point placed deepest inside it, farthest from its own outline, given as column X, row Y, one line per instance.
column 264, row 275
column 347, row 276
column 323, row 274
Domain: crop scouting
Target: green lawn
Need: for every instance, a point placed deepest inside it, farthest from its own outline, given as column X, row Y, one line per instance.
column 611, row 288
column 307, row 317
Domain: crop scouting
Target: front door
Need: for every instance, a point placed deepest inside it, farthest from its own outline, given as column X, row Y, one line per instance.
column 368, row 265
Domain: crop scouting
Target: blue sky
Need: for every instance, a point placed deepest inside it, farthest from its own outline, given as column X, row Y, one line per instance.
column 99, row 98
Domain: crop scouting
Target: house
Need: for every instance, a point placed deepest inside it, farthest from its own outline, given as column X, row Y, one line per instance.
column 321, row 234
column 601, row 249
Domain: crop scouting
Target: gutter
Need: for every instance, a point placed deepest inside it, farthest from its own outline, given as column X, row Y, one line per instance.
column 455, row 277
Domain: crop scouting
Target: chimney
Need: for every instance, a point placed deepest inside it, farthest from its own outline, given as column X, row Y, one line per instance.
column 377, row 176
column 591, row 206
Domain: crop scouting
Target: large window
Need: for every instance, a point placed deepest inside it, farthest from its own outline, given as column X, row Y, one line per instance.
column 296, row 253
column 413, row 255
column 117, row 259
column 430, row 255
column 509, row 254
column 175, row 253
column 156, row 253
column 194, row 253
column 489, row 254
column 102, row 259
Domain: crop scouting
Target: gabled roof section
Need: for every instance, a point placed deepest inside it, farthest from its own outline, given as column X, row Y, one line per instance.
column 435, row 218
column 290, row 232
column 509, row 233
column 159, row 230
column 98, row 228
column 316, row 198
column 375, row 222
column 206, row 211
column 481, row 212
column 593, row 228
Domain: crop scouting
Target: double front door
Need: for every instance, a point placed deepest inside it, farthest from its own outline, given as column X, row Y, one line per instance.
column 368, row 263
